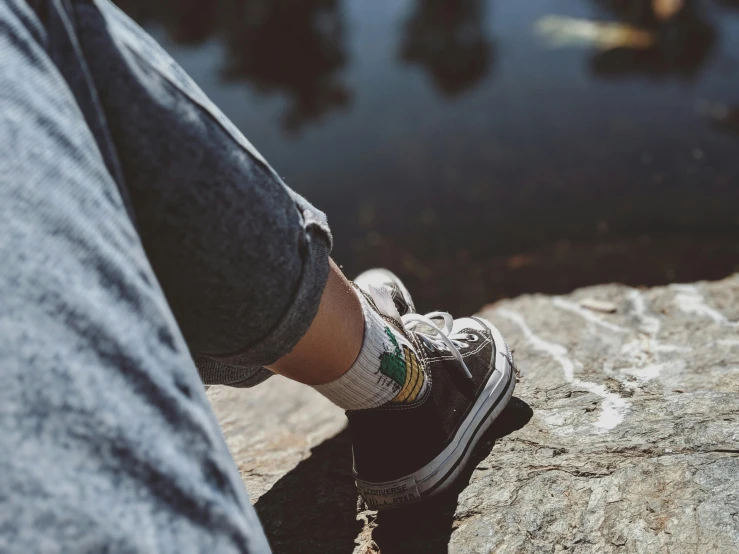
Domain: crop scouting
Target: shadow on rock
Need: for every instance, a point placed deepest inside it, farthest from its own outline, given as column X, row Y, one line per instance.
column 313, row 508
column 426, row 528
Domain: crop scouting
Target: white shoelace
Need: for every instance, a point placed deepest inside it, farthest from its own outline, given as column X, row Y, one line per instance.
column 439, row 338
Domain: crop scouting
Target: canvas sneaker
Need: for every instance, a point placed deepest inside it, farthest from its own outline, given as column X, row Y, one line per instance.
column 408, row 452
column 382, row 278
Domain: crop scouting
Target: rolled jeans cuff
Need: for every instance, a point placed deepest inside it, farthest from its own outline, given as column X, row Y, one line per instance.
column 245, row 367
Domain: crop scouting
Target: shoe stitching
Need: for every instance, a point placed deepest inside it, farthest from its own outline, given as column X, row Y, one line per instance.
column 467, row 354
column 442, row 357
column 395, row 407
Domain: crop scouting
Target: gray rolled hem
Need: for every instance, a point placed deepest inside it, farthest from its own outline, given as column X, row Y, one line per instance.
column 292, row 326
column 213, row 372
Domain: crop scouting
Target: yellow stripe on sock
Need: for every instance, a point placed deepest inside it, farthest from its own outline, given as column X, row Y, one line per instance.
column 414, row 377
column 419, row 381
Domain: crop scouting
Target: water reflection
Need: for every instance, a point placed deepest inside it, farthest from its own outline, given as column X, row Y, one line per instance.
column 186, row 21
column 728, row 3
column 546, row 179
column 723, row 117
column 447, row 38
column 683, row 38
column 291, row 47
column 661, row 38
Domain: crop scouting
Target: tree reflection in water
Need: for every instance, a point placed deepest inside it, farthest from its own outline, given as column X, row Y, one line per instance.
column 683, row 39
column 291, row 47
column 447, row 38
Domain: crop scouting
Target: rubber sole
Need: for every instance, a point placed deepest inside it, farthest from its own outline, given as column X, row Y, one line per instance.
column 441, row 472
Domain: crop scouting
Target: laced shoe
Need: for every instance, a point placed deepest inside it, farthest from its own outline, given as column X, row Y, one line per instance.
column 408, row 452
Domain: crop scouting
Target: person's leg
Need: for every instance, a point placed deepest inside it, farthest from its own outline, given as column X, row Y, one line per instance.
column 332, row 342
column 243, row 261
column 107, row 441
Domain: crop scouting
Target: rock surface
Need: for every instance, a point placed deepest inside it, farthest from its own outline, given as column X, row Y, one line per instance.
column 623, row 436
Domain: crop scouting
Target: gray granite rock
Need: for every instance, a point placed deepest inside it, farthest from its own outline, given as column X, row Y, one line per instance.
column 623, row 436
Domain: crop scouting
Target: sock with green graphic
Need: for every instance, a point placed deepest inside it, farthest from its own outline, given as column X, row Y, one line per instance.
column 386, row 370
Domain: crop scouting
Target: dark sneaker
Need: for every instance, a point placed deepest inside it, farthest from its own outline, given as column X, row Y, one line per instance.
column 382, row 278
column 408, row 452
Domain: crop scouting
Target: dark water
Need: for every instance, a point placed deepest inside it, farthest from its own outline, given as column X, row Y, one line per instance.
column 449, row 141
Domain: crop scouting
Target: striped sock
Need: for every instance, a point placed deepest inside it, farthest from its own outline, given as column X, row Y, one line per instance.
column 387, row 368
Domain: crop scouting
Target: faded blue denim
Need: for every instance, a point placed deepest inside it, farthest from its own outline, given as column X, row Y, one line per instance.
column 138, row 230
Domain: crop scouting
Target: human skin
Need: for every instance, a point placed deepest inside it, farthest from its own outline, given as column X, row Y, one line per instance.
column 332, row 342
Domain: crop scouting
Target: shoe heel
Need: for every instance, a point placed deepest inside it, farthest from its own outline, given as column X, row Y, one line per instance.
column 379, row 496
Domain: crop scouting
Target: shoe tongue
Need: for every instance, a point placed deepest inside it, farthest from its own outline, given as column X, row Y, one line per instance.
column 383, row 300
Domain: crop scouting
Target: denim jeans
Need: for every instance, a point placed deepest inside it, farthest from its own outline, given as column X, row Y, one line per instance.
column 139, row 231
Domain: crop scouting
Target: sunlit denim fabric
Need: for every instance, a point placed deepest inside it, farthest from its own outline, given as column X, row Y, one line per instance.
column 138, row 229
